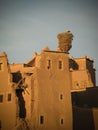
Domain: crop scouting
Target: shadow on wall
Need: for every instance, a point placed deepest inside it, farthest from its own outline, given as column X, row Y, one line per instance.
column 83, row 104
column 73, row 65
column 16, row 77
column 83, row 119
column 88, row 98
column 21, row 101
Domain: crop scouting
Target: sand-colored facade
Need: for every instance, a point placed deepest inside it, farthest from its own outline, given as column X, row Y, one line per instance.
column 36, row 95
column 82, row 73
column 52, row 92
column 46, row 99
column 7, row 96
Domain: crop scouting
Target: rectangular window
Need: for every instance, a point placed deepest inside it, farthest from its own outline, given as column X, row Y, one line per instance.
column 1, row 98
column 61, row 96
column 62, row 122
column 41, row 119
column 48, row 64
column 1, row 66
column 9, row 97
column 60, row 64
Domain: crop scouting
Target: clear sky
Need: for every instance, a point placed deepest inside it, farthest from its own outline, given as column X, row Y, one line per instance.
column 27, row 26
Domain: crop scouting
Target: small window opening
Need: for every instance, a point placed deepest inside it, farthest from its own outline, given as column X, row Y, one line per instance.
column 61, row 96
column 60, row 64
column 77, row 84
column 62, row 121
column 48, row 64
column 9, row 97
column 1, row 98
column 1, row 66
column 41, row 119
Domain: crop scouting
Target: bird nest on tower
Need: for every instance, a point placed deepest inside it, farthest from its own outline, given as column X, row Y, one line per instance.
column 65, row 41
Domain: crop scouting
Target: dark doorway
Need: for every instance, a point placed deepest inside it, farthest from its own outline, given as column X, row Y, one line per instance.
column 21, row 101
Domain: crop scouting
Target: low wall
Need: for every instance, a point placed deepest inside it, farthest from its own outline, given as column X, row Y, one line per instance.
column 82, row 119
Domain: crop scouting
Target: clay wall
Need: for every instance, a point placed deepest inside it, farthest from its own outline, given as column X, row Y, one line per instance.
column 7, row 97
column 53, row 100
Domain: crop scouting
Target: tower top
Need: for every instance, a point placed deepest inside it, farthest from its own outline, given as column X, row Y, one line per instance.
column 65, row 41
column 3, row 54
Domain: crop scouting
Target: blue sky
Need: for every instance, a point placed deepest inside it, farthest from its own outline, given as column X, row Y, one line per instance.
column 27, row 26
